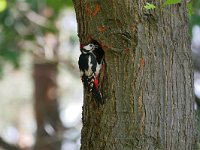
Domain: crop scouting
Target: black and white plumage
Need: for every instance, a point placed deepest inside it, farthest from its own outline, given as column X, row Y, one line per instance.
column 89, row 70
column 98, row 51
column 99, row 54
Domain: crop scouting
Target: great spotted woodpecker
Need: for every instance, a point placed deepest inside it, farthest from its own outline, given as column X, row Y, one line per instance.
column 90, row 62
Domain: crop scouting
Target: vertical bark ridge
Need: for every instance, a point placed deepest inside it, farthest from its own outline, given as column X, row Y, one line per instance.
column 173, row 104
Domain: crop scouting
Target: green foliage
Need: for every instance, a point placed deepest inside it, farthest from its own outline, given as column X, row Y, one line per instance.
column 195, row 19
column 11, row 55
column 149, row 6
column 16, row 27
column 58, row 4
column 3, row 5
column 170, row 2
column 190, row 8
column 69, row 3
column 194, row 14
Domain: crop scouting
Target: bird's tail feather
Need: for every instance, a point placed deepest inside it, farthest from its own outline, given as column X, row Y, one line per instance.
column 97, row 96
column 93, row 88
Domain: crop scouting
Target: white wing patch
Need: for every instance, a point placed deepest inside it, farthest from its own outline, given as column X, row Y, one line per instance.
column 89, row 71
column 98, row 68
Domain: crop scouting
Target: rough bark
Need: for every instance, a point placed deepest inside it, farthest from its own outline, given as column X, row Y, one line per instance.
column 148, row 81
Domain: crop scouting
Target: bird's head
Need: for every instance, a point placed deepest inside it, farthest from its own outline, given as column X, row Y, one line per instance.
column 89, row 47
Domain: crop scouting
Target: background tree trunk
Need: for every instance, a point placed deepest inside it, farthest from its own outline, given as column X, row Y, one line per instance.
column 148, row 82
column 46, row 107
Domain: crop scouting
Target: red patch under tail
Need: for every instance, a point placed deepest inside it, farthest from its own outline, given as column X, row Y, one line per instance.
column 96, row 83
column 81, row 46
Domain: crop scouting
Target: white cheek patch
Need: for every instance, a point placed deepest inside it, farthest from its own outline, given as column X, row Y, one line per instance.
column 89, row 47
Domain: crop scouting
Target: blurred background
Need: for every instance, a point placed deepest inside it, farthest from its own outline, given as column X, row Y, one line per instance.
column 41, row 92
column 195, row 46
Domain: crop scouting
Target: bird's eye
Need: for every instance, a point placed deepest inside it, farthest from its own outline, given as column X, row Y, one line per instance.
column 90, row 45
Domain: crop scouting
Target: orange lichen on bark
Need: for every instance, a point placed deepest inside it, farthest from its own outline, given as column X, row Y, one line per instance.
column 101, row 28
column 90, row 11
column 127, row 50
column 97, row 9
column 142, row 62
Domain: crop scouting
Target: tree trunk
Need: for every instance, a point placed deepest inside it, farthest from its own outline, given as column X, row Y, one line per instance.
column 148, row 81
column 46, row 107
